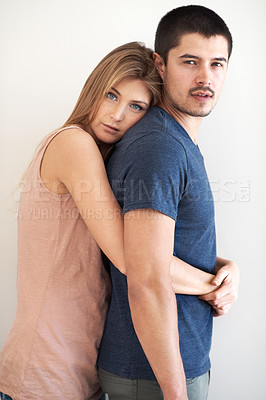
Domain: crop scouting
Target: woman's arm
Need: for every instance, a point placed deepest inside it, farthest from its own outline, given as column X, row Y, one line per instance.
column 190, row 280
column 73, row 163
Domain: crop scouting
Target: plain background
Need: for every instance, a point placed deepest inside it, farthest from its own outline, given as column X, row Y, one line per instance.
column 49, row 47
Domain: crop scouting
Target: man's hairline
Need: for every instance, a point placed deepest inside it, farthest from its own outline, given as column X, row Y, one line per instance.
column 165, row 59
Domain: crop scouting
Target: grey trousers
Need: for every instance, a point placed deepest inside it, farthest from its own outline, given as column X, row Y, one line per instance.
column 119, row 388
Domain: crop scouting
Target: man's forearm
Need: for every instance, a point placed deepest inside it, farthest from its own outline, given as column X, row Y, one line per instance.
column 154, row 315
column 187, row 279
column 148, row 254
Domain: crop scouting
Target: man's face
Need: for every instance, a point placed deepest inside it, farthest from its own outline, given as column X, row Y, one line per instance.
column 194, row 74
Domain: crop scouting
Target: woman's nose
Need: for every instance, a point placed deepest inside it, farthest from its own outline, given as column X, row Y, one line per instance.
column 118, row 113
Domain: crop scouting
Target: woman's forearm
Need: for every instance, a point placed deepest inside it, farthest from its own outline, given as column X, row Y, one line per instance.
column 190, row 280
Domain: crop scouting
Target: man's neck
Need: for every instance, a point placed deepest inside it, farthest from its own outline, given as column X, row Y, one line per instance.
column 189, row 123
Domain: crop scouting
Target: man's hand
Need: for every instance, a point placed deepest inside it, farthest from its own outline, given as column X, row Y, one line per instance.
column 227, row 278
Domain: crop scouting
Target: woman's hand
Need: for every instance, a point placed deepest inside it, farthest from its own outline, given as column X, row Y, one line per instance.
column 227, row 281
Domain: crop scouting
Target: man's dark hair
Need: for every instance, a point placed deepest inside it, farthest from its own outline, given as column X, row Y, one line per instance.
column 189, row 19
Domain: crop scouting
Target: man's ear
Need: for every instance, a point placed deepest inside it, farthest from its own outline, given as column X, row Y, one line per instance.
column 159, row 64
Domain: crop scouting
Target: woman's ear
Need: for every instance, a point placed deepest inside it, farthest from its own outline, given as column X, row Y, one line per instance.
column 159, row 64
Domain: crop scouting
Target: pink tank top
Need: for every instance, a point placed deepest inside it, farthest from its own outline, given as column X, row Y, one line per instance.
column 63, row 293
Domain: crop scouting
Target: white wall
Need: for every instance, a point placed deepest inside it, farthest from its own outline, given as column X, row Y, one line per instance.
column 48, row 49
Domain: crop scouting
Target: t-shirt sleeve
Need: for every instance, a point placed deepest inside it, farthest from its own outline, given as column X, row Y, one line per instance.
column 154, row 174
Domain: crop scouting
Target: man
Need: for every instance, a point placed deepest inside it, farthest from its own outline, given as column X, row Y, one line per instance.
column 155, row 343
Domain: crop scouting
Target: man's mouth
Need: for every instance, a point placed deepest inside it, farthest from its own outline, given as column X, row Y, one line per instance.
column 202, row 94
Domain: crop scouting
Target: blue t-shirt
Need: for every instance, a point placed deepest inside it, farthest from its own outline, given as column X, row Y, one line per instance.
column 156, row 165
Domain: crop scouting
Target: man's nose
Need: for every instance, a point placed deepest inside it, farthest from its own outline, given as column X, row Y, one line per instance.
column 204, row 76
column 118, row 113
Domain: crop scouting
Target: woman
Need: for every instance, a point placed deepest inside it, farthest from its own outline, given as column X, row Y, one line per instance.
column 63, row 288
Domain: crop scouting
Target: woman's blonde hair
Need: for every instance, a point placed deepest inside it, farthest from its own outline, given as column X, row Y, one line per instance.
column 129, row 60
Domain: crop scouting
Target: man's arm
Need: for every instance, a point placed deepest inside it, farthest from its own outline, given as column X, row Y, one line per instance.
column 227, row 278
column 149, row 239
column 76, row 159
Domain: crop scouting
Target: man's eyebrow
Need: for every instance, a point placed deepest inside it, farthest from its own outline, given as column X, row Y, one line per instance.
column 189, row 56
column 222, row 59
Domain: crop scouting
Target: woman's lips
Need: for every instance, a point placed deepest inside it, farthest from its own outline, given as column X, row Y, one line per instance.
column 111, row 128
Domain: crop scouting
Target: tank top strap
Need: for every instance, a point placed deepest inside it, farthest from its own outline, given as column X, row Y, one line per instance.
column 46, row 141
column 39, row 153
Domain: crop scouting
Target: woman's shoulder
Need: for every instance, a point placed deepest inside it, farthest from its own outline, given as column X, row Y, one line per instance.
column 72, row 152
column 74, row 132
column 70, row 146
column 74, row 138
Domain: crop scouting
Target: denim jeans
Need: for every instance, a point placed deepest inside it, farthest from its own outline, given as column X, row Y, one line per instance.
column 119, row 388
column 198, row 388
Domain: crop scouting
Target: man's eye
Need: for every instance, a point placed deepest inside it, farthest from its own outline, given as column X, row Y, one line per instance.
column 217, row 64
column 111, row 96
column 136, row 107
column 190, row 62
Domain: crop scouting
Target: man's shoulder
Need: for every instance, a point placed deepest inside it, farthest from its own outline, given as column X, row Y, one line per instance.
column 156, row 129
column 153, row 121
column 156, row 118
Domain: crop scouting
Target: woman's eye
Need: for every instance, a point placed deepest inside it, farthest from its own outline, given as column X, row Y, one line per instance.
column 111, row 96
column 136, row 107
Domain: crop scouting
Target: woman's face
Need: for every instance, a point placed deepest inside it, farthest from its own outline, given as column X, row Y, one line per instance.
column 124, row 105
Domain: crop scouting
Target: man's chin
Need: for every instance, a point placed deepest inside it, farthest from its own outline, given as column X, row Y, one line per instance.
column 197, row 113
column 200, row 113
